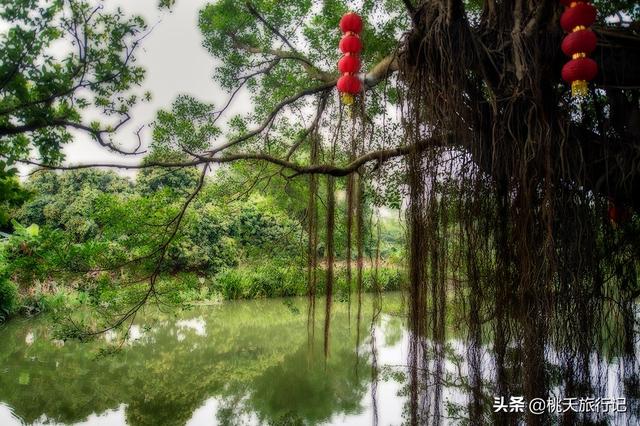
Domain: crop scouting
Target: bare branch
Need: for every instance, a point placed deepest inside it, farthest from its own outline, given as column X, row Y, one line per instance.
column 271, row 28
column 273, row 114
column 321, row 106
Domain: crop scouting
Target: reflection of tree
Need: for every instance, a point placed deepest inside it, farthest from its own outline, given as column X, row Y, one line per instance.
column 254, row 359
column 471, row 374
column 312, row 394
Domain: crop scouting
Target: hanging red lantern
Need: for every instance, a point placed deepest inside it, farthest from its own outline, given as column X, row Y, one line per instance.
column 349, row 64
column 581, row 41
column 578, row 44
column 579, row 71
column 349, row 85
column 350, row 43
column 578, row 14
column 351, row 22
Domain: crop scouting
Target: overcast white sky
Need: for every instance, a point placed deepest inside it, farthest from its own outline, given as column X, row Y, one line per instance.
column 175, row 62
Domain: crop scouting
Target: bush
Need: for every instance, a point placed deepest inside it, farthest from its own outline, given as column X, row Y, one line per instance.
column 8, row 299
column 273, row 280
column 389, row 279
column 260, row 281
column 51, row 301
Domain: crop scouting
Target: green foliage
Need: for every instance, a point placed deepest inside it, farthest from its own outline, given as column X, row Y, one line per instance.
column 8, row 298
column 172, row 181
column 204, row 243
column 607, row 8
column 270, row 279
column 12, row 194
column 264, row 232
column 44, row 95
column 93, row 238
column 190, row 124
column 266, row 280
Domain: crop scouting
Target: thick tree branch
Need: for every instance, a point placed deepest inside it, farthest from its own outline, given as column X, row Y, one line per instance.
column 382, row 70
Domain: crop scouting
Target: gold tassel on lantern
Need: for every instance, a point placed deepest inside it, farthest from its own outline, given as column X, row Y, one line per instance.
column 347, row 98
column 579, row 88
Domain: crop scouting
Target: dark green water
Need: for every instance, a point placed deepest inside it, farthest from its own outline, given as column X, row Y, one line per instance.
column 235, row 363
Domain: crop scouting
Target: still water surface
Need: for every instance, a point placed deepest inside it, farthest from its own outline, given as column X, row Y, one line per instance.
column 247, row 362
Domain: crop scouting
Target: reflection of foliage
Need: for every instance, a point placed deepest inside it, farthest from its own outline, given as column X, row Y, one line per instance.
column 254, row 364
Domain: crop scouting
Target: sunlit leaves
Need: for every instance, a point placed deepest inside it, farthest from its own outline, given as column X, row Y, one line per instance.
column 189, row 125
column 58, row 58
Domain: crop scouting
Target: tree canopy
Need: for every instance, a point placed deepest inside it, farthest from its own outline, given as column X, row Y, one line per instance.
column 513, row 189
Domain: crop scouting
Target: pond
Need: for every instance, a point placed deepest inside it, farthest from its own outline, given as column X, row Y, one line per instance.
column 245, row 362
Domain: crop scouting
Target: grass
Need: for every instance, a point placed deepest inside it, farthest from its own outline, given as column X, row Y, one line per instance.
column 251, row 281
column 264, row 281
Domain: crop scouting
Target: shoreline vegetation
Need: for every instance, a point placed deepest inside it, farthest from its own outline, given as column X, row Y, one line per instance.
column 241, row 283
column 91, row 238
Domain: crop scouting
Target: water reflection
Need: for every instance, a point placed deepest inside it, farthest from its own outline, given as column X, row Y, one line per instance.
column 207, row 365
column 529, row 376
column 251, row 363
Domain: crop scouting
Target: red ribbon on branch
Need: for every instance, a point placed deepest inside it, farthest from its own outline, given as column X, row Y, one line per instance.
column 579, row 43
column 349, row 85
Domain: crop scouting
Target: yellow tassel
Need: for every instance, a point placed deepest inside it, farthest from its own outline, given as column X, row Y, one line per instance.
column 579, row 88
column 347, row 99
column 579, row 56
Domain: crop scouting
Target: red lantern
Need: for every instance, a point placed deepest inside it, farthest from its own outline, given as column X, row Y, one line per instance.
column 578, row 72
column 350, row 44
column 349, row 64
column 578, row 15
column 351, row 22
column 349, row 83
column 581, row 41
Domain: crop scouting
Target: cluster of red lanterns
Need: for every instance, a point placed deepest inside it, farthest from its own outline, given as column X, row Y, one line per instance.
column 349, row 85
column 579, row 43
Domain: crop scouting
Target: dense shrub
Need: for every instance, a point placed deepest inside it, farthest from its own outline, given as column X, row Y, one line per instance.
column 8, row 299
column 267, row 280
column 263, row 233
column 96, row 237
column 273, row 280
column 204, row 244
